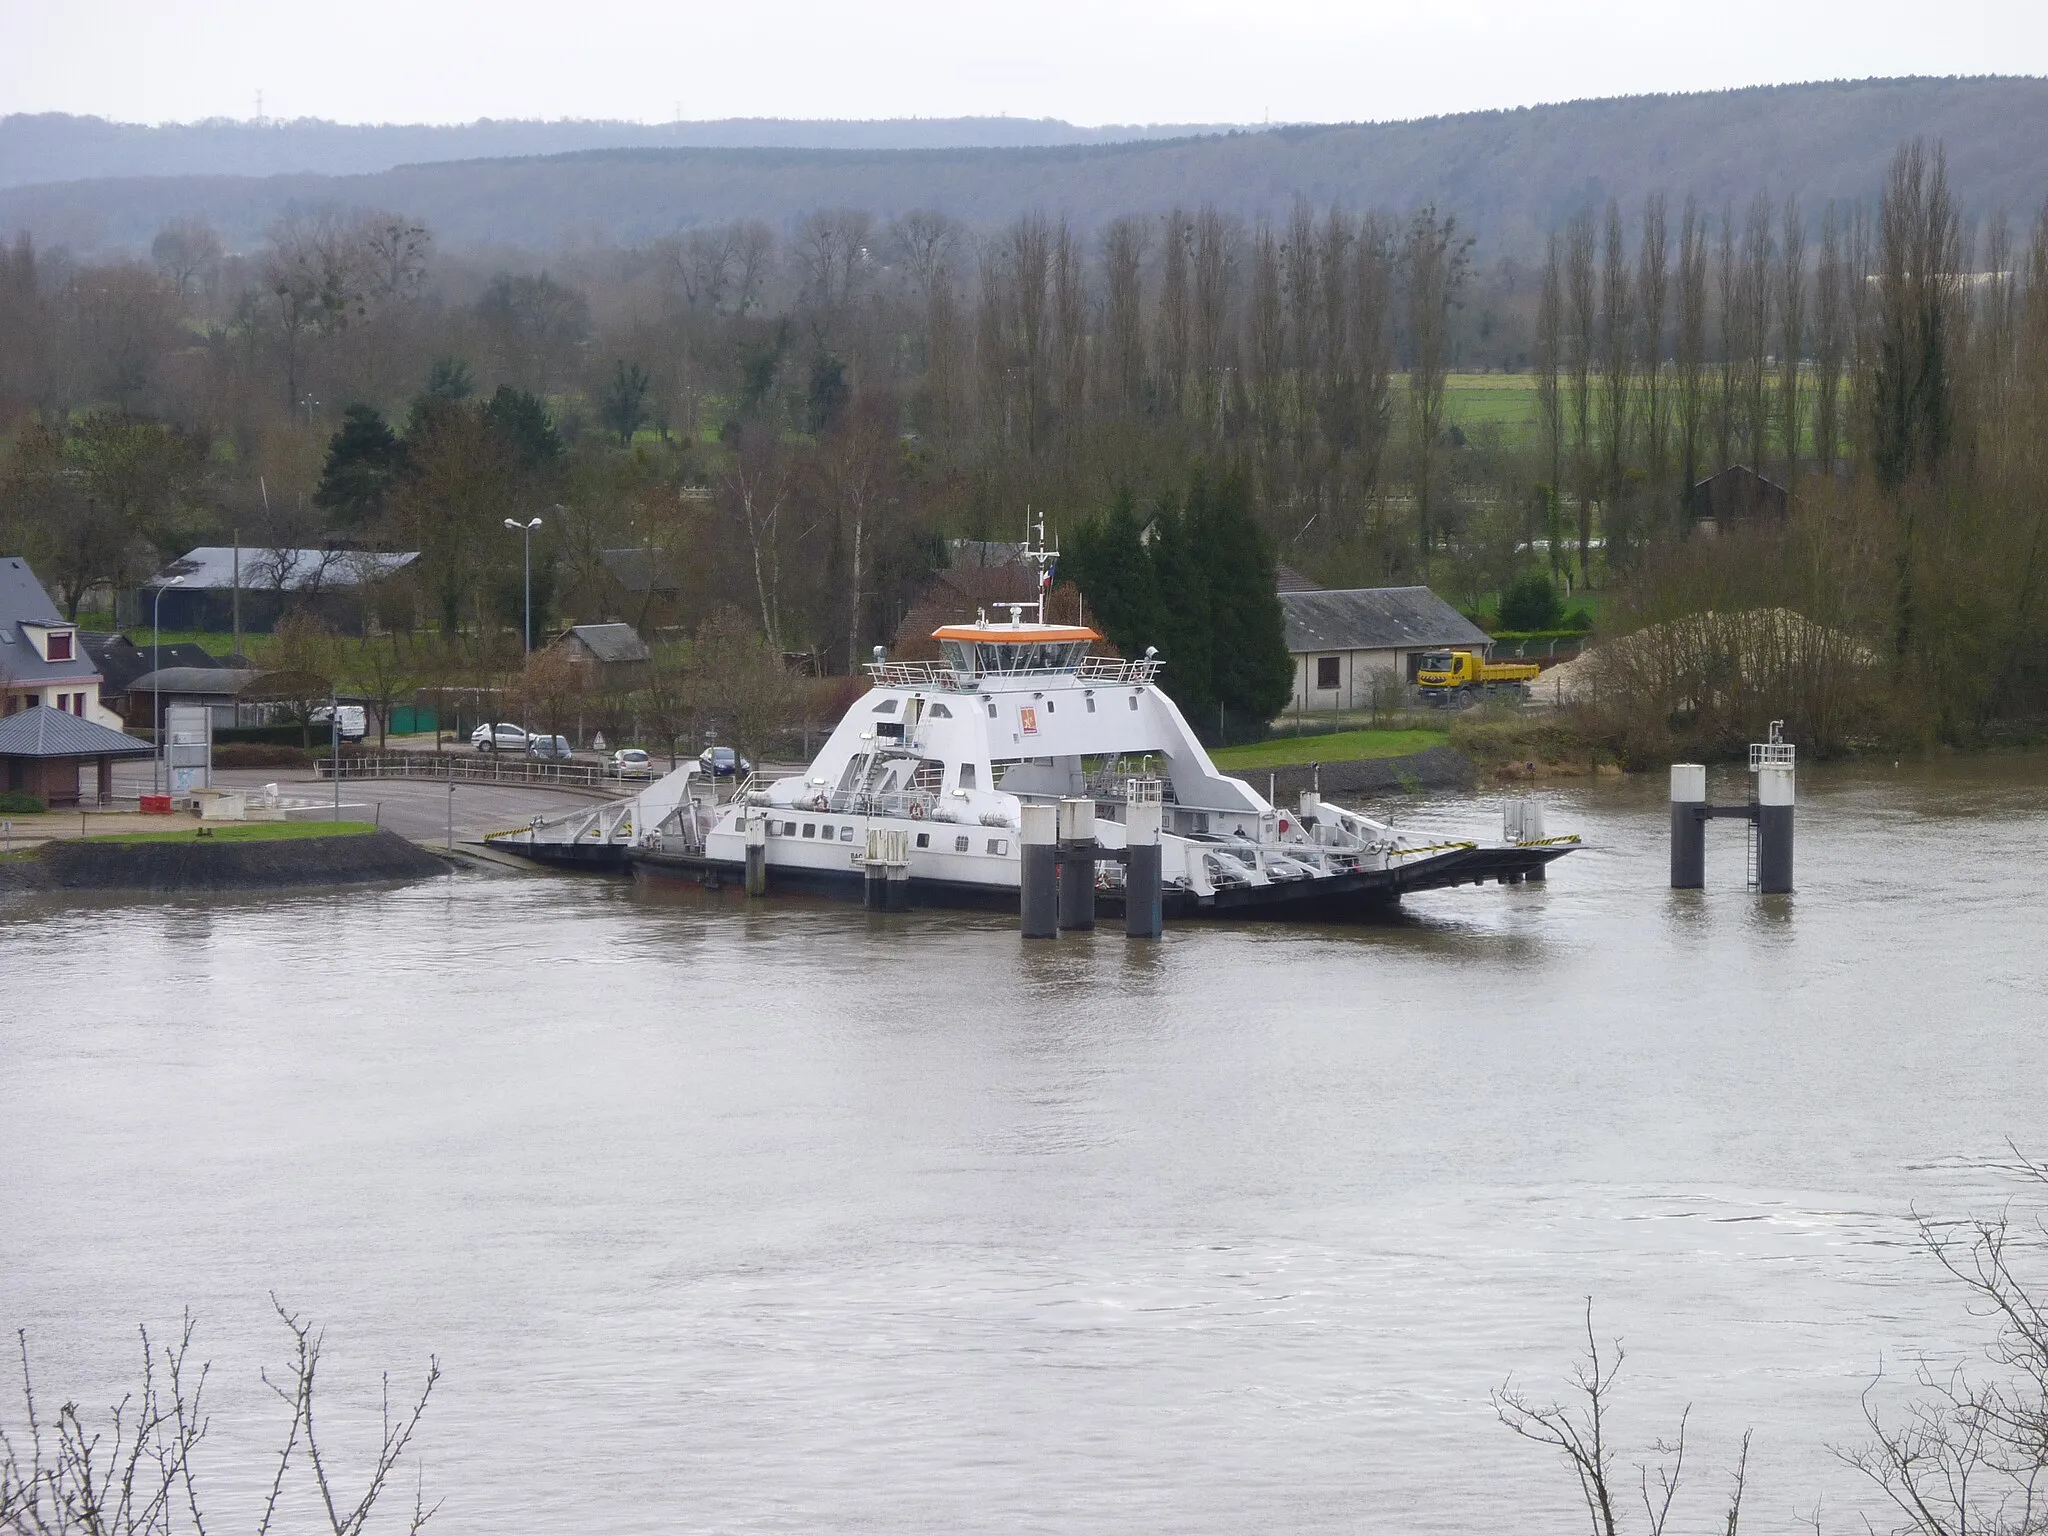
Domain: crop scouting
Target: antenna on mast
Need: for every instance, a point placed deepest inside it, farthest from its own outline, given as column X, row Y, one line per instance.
column 1047, row 560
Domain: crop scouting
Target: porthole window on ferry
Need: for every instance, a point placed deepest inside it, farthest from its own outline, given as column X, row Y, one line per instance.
column 810, row 829
column 886, row 707
column 991, row 711
column 1134, row 701
column 966, row 776
column 960, row 845
column 924, row 839
column 827, row 833
column 1091, row 706
column 846, row 834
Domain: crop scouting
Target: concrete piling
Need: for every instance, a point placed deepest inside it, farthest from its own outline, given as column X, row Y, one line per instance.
column 1038, row 856
column 1076, row 827
column 1688, row 826
column 1144, row 917
column 1774, row 795
column 756, row 826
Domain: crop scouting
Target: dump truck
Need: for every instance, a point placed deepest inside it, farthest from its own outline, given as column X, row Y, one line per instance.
column 1465, row 677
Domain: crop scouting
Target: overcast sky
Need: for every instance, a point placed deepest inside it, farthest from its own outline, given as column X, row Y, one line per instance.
column 1089, row 61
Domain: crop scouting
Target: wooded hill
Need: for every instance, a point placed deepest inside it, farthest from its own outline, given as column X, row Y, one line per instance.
column 57, row 146
column 1511, row 176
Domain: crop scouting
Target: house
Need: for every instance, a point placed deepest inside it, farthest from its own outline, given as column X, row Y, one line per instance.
column 203, row 588
column 228, row 691
column 1351, row 647
column 45, row 752
column 1738, row 497
column 613, row 655
column 42, row 661
column 119, row 661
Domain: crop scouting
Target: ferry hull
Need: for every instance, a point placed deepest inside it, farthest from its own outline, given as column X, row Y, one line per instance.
column 1361, row 895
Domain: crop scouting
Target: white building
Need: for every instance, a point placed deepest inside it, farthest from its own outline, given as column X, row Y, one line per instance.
column 1359, row 648
column 42, row 660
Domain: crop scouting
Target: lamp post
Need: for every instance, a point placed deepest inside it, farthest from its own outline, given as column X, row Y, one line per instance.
column 525, row 531
column 156, row 682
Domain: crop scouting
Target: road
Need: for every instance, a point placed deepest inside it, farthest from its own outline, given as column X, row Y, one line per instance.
column 414, row 808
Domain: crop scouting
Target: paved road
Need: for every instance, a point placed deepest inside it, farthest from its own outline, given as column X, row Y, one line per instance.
column 415, row 808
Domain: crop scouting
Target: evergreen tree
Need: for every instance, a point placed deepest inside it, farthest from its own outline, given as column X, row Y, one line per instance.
column 1251, row 672
column 364, row 460
column 1184, row 642
column 1107, row 559
column 520, row 421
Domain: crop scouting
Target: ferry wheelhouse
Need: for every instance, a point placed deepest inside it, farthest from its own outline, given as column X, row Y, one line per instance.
column 936, row 761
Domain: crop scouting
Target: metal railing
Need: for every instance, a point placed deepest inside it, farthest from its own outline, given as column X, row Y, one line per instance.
column 937, row 674
column 486, row 767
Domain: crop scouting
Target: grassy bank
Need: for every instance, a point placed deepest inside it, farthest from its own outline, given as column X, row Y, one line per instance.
column 1342, row 747
column 249, row 832
column 1509, row 741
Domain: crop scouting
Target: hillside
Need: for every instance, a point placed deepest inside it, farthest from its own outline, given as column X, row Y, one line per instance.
column 1510, row 175
column 55, row 146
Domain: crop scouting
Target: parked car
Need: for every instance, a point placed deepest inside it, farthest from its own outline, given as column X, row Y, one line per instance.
column 555, row 747
column 355, row 720
column 498, row 738
column 632, row 763
column 723, row 762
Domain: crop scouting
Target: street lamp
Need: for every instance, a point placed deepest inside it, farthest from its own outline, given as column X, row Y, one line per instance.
column 525, row 530
column 156, row 680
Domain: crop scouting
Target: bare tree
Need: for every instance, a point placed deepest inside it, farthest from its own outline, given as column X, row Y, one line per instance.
column 1583, row 1435
column 1215, row 281
column 1174, row 345
column 1549, row 361
column 1689, row 348
column 832, row 258
column 756, row 489
column 136, row 1473
column 188, row 251
column 1123, row 328
column 1436, row 260
column 1265, row 348
column 1653, row 277
column 1753, row 291
column 1581, row 291
column 1617, row 355
column 1791, row 295
column 1830, row 342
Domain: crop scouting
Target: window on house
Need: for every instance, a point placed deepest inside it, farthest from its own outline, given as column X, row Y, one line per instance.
column 60, row 646
column 1327, row 671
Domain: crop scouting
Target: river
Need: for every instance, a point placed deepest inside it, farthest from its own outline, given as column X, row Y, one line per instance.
column 790, row 1218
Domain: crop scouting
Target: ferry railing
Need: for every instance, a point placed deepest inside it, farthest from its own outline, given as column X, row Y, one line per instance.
column 1106, row 670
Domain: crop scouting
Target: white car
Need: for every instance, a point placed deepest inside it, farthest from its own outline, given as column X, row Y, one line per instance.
column 632, row 763
column 498, row 738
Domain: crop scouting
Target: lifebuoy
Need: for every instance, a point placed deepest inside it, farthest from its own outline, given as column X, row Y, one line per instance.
column 916, row 811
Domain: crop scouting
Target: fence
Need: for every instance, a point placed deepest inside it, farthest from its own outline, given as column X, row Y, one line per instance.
column 484, row 767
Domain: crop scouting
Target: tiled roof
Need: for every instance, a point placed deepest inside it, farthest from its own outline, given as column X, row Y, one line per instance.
column 1376, row 619
column 46, row 732
column 613, row 642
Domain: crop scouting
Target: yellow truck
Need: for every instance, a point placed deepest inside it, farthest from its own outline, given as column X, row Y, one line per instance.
column 1464, row 677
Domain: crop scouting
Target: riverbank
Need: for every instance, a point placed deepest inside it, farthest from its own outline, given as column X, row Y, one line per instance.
column 252, row 857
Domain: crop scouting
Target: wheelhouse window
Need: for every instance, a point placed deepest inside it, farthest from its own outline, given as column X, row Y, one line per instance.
column 886, row 707
column 1329, row 672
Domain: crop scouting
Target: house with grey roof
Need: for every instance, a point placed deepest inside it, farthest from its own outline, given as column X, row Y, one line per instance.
column 205, row 588
column 49, row 753
column 1355, row 649
column 613, row 654
column 42, row 660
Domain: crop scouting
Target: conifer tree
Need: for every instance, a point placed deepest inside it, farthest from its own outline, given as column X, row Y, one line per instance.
column 1107, row 559
column 1185, row 642
column 1250, row 670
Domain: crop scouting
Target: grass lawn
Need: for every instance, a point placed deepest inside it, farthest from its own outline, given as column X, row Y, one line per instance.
column 1344, row 747
column 249, row 832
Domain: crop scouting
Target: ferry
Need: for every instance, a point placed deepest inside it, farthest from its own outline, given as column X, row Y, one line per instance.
column 931, row 769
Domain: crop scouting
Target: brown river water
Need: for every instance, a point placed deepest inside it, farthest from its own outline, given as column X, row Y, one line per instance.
column 792, row 1218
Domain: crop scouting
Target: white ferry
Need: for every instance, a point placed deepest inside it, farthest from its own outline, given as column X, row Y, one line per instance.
column 932, row 767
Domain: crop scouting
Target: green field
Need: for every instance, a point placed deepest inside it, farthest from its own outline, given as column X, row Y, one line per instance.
column 1344, row 747
column 249, row 832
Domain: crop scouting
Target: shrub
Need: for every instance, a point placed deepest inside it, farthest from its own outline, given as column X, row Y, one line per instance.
column 1530, row 603
column 14, row 802
column 252, row 754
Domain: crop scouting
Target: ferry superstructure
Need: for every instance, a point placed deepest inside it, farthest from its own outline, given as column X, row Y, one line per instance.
column 938, row 759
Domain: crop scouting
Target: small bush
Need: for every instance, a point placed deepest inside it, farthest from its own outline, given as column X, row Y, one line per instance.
column 252, row 754
column 1530, row 603
column 15, row 803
